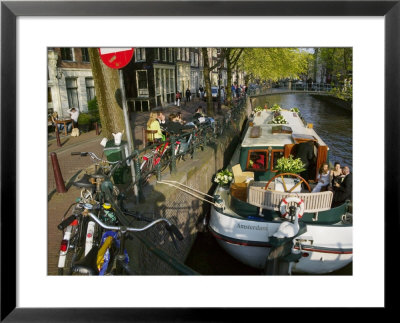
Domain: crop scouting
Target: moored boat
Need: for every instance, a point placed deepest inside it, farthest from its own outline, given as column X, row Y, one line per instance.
column 248, row 216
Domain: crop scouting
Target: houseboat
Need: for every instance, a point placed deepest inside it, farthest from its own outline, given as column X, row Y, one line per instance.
column 249, row 214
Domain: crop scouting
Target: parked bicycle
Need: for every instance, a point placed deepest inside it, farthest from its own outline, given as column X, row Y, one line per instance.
column 111, row 258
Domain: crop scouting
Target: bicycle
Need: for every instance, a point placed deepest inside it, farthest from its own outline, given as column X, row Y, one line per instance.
column 111, row 258
column 79, row 233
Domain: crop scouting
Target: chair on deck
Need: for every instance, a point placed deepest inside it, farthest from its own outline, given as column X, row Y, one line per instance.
column 239, row 175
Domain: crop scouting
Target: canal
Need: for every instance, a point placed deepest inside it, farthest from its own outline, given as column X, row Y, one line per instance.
column 334, row 125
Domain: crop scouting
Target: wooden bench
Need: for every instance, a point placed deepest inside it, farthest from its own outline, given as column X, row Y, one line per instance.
column 270, row 200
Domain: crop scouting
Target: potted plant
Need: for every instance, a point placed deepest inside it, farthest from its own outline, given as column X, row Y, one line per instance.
column 223, row 178
column 295, row 110
column 279, row 119
column 258, row 109
column 84, row 121
column 288, row 165
column 276, row 107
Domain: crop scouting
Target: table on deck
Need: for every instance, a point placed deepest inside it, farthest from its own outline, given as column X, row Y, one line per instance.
column 65, row 122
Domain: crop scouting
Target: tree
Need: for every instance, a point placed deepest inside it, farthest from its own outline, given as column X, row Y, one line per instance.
column 108, row 93
column 232, row 56
column 207, row 81
column 338, row 63
column 274, row 63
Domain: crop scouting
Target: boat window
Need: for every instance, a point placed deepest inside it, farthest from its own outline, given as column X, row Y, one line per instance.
column 275, row 155
column 257, row 160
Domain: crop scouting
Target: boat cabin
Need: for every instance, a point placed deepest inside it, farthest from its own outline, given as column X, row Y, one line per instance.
column 264, row 143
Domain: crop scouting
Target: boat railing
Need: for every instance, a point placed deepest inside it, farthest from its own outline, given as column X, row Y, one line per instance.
column 270, row 200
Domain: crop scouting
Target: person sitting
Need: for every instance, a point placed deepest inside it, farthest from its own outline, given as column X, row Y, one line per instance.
column 200, row 118
column 162, row 122
column 153, row 124
column 74, row 113
column 175, row 127
column 336, row 176
column 323, row 178
column 54, row 118
column 343, row 190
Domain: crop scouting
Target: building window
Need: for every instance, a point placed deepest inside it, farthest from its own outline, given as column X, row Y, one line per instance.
column 158, row 80
column 163, row 54
column 85, row 55
column 157, row 54
column 67, row 54
column 140, row 54
column 187, row 54
column 72, row 93
column 178, row 54
column 49, row 97
column 170, row 55
column 257, row 160
column 196, row 59
column 171, row 80
column 141, row 77
column 192, row 58
column 275, row 155
column 90, row 91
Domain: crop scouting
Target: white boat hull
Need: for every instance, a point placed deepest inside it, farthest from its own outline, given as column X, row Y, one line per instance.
column 325, row 248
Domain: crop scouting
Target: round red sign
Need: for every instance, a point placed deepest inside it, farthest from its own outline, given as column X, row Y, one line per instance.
column 116, row 57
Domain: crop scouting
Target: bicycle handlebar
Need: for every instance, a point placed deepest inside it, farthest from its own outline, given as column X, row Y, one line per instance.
column 66, row 222
column 131, row 229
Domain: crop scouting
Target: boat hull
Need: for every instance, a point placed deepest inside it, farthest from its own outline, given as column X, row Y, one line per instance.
column 324, row 248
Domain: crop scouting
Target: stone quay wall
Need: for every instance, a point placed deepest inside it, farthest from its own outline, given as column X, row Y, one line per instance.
column 185, row 211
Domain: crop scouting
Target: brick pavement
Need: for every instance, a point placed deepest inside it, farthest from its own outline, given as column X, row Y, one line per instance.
column 70, row 166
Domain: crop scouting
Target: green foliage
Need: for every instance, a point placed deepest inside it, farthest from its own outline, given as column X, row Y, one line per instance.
column 258, row 108
column 337, row 61
column 274, row 63
column 344, row 93
column 84, row 118
column 289, row 165
column 94, row 110
column 276, row 107
column 295, row 110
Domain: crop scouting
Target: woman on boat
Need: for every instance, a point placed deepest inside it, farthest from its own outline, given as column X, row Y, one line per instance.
column 323, row 178
column 153, row 124
column 336, row 176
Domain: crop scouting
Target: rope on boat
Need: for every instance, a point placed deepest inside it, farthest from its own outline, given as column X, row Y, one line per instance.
column 173, row 184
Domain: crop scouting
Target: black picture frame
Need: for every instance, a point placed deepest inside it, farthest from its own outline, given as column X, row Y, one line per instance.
column 10, row 10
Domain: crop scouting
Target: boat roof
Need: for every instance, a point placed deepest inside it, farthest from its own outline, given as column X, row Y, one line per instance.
column 267, row 138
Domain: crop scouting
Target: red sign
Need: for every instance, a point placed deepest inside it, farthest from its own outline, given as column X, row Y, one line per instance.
column 116, row 57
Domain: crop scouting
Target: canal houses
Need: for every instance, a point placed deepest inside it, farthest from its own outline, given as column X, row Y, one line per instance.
column 69, row 80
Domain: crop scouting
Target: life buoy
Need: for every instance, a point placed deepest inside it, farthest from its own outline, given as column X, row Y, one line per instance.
column 286, row 200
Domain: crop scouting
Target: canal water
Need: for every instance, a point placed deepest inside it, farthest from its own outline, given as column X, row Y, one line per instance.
column 334, row 125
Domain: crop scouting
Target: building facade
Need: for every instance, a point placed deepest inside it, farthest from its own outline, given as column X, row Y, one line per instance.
column 69, row 80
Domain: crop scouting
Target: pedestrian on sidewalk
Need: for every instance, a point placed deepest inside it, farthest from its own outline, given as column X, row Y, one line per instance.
column 201, row 90
column 178, row 99
column 188, row 95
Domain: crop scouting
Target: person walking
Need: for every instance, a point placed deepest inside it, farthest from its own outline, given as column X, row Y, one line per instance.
column 188, row 95
column 201, row 90
column 178, row 98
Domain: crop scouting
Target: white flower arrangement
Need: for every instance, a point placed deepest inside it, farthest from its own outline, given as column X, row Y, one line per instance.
column 258, row 109
column 295, row 110
column 276, row 107
column 280, row 119
column 223, row 177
